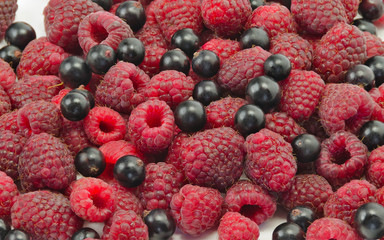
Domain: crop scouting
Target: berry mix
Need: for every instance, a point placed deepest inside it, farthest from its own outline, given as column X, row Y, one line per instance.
column 144, row 117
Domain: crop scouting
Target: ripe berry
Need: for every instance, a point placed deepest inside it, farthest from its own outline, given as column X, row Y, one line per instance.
column 306, row 148
column 361, row 75
column 206, row 63
column 160, row 223
column 256, row 3
column 133, row 13
column 85, row 233
column 101, row 58
column 372, row 134
column 74, row 71
column 369, row 221
column 131, row 50
column 175, row 60
column 86, row 94
column 90, row 162
column 249, row 119
column 302, row 216
column 19, row 34
column 17, row 234
column 288, row 230
column 365, row 25
column 254, row 37
column 75, row 106
column 4, row 228
column 129, row 171
column 277, row 66
column 186, row 40
column 105, row 4
column 190, row 116
column 371, row 9
column 11, row 54
column 206, row 92
column 376, row 63
column 264, row 92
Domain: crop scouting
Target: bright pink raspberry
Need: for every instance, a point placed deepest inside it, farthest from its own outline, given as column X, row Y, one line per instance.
column 331, row 228
column 151, row 62
column 8, row 192
column 224, row 48
column 8, row 121
column 375, row 46
column 221, row 113
column 175, row 149
column 125, row 198
column 234, row 226
column 7, row 75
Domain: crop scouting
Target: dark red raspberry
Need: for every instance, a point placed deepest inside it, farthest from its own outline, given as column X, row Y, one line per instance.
column 8, row 10
column 11, row 146
column 151, row 125
column 33, row 88
column 313, row 126
column 45, row 162
column 377, row 95
column 270, row 162
column 122, row 88
column 351, row 7
column 8, row 121
column 62, row 19
column 5, row 102
column 274, row 18
column 331, row 228
column 175, row 149
column 213, row 158
column 344, row 203
column 376, row 167
column 301, row 93
column 45, row 215
column 281, row 123
column 151, row 35
column 309, row 190
column 7, row 75
column 125, row 198
column 102, row 28
column 375, row 46
column 92, row 199
column 74, row 136
column 41, row 57
column 192, row 199
column 125, row 225
column 234, row 226
column 57, row 98
column 342, row 47
column 220, row 16
column 250, row 200
column 8, row 192
column 39, row 117
column 103, row 124
column 344, row 107
column 151, row 62
column 241, row 68
column 224, row 48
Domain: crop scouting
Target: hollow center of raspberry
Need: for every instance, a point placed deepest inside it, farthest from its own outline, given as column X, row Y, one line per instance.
column 153, row 120
column 98, row 201
column 99, row 34
column 249, row 210
column 340, row 157
column 106, row 127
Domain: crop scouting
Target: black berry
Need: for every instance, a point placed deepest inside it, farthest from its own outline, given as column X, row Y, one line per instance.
column 249, row 119
column 277, row 66
column 175, row 60
column 85, row 233
column 302, row 216
column 19, row 34
column 186, row 40
column 101, row 58
column 254, row 37
column 288, row 230
column 306, row 148
column 133, row 13
column 17, row 234
column 129, row 171
column 90, row 162
column 4, row 228
column 190, row 116
column 256, row 3
column 105, row 4
column 131, row 50
column 87, row 94
column 206, row 63
column 369, row 221
column 372, row 134
column 365, row 26
column 206, row 92
column 74, row 106
column 11, row 54
column 371, row 9
column 74, row 72
column 376, row 63
column 160, row 223
column 361, row 75
column 264, row 92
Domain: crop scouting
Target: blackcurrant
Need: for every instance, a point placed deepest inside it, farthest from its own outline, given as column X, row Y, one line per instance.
column 369, row 221
column 17, row 234
column 75, row 106
column 249, row 119
column 302, row 216
column 74, row 72
column 186, row 40
column 84, row 233
column 206, row 63
column 4, row 228
column 190, row 116
column 288, row 230
column 254, row 37
column 105, row 4
column 11, row 54
column 87, row 94
column 372, row 134
column 361, row 75
column 129, row 171
column 365, row 26
column 256, row 3
column 133, row 13
column 206, row 92
column 306, row 148
column 101, row 58
column 175, row 60
column 376, row 63
column 19, row 34
column 131, row 50
column 264, row 92
column 371, row 9
column 160, row 223
column 90, row 162
column 277, row 66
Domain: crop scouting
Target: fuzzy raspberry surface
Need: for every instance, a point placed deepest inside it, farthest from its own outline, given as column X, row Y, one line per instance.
column 74, row 136
column 5, row 102
column 7, row 75
column 11, row 145
column 224, row 48
column 8, row 10
column 376, row 167
column 283, row 124
column 331, row 228
column 8, row 121
column 8, row 193
column 375, row 46
column 125, row 198
column 234, row 226
column 175, row 149
column 151, row 62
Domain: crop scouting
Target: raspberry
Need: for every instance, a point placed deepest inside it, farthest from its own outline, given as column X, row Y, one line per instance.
column 270, row 162
column 344, row 203
column 39, row 117
column 41, row 57
column 62, row 19
column 331, row 228
column 344, row 107
column 151, row 62
column 313, row 126
column 234, row 226
column 7, row 75
column 57, row 98
column 192, row 199
column 274, row 18
column 74, row 136
column 213, row 158
column 5, row 102
column 125, row 199
column 162, row 181
column 175, row 149
column 222, row 18
column 11, row 146
column 351, row 7
column 45, row 215
column 45, row 162
column 103, row 124
column 102, row 28
column 301, row 93
column 8, row 121
column 307, row 190
column 241, row 68
column 343, row 157
column 250, row 200
column 92, row 199
column 8, row 10
column 377, row 95
column 376, row 167
column 379, row 195
column 224, row 48
column 281, row 123
column 375, row 46
column 8, row 192
column 151, row 35
column 342, row 47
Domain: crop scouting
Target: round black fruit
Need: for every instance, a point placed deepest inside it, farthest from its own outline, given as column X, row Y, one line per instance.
column 376, row 64
column 254, row 37
column 186, row 40
column 372, row 134
column 19, row 34
column 190, row 116
column 365, row 26
column 133, row 13
column 101, row 58
column 90, row 162
column 87, row 94
column 131, row 50
column 249, row 119
column 369, row 221
column 129, row 171
column 175, row 60
column 302, row 216
column 105, row 4
column 84, row 233
column 361, row 75
column 206, row 92
column 74, row 72
column 17, row 234
column 206, row 63
column 74, row 106
column 264, row 92
column 11, row 54
column 277, row 66
column 160, row 223
column 4, row 228
column 371, row 9
column 288, row 230
column 306, row 148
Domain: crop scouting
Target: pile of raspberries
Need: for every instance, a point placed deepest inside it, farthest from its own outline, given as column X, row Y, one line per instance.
column 214, row 178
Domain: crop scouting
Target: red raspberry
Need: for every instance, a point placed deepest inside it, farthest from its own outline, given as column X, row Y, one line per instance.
column 307, row 190
column 41, row 57
column 281, row 123
column 344, row 107
column 226, row 18
column 241, row 68
column 8, row 10
column 11, row 146
column 8, row 192
column 301, row 93
column 351, row 7
column 274, row 18
column 7, row 75
column 103, row 124
column 92, row 199
column 224, row 48
column 270, row 162
column 151, row 35
column 375, row 46
column 5, row 102
column 8, row 121
column 331, row 228
column 62, row 19
column 214, row 158
column 342, row 47
column 376, row 167
column 194, row 199
column 151, row 62
column 313, row 126
column 74, row 136
column 125, row 198
column 250, row 200
column 57, row 98
column 234, row 226
column 102, row 28
column 175, row 149
column 377, row 95
column 151, row 125
column 344, row 203
column 379, row 195
column 45, row 215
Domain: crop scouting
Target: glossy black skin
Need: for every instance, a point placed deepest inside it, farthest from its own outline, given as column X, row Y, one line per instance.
column 17, row 234
column 254, row 37
column 190, row 116
column 206, row 92
column 11, row 54
column 365, row 26
column 133, row 13
column 19, row 34
column 249, row 119
column 175, row 60
column 160, row 223
column 376, row 63
column 186, row 40
column 74, row 106
column 256, row 3
column 85, row 233
column 74, row 72
column 302, row 216
column 288, row 231
column 371, row 9
column 206, row 63
column 369, row 221
column 4, row 228
column 277, row 66
column 105, row 4
column 101, row 58
column 372, row 134
column 264, row 92
column 129, row 171
column 361, row 75
column 131, row 50
column 87, row 94
column 306, row 148
column 90, row 162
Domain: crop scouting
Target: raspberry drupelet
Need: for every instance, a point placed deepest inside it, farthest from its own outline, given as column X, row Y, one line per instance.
column 234, row 226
